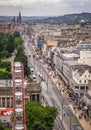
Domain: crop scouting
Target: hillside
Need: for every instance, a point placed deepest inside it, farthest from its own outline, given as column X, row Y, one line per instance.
column 68, row 19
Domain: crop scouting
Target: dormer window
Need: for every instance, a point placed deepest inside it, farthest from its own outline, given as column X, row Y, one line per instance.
column 79, row 81
column 84, row 81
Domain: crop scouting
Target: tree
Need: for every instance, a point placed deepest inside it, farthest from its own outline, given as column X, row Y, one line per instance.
column 1, row 128
column 20, row 56
column 18, row 41
column 5, row 75
column 16, row 34
column 10, row 46
column 39, row 117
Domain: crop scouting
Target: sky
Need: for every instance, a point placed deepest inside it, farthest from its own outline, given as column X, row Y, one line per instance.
column 43, row 7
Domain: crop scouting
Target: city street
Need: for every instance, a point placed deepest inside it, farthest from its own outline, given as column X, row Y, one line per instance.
column 56, row 98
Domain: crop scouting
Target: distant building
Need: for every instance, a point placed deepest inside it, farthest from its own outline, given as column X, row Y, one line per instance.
column 5, row 28
column 6, row 97
column 85, row 54
column 81, row 75
column 19, row 18
column 76, row 75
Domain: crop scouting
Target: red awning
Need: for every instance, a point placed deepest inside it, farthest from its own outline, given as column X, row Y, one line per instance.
column 7, row 111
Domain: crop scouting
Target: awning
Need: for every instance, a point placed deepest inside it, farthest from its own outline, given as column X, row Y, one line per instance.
column 7, row 111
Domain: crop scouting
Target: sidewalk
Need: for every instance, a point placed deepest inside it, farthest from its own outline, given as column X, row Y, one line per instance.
column 61, row 87
column 85, row 124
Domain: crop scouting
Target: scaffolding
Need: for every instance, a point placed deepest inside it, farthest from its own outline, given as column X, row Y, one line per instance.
column 19, row 115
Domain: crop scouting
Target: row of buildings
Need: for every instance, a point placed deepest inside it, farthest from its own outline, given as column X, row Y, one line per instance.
column 7, row 27
column 68, row 49
column 32, row 92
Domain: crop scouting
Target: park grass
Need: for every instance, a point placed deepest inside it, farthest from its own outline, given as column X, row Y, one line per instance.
column 7, row 129
column 2, row 69
column 7, row 59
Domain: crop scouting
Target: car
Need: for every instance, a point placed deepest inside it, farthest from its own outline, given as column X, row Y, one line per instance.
column 31, row 71
column 34, row 77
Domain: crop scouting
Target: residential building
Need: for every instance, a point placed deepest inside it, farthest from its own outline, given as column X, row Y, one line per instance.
column 81, row 75
column 6, row 93
column 6, row 98
column 5, row 28
column 85, row 54
column 76, row 75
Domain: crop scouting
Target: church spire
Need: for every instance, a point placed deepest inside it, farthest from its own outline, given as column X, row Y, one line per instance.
column 19, row 18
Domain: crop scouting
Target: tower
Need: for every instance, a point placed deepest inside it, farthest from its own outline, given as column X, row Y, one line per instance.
column 19, row 19
column 19, row 120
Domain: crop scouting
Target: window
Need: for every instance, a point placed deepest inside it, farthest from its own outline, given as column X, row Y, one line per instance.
column 86, row 87
column 76, row 87
column 81, row 94
column 84, row 81
column 3, row 102
column 79, row 81
column 8, row 104
column 82, row 87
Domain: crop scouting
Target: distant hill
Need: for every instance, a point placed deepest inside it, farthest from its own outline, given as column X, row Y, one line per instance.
column 24, row 18
column 5, row 18
column 68, row 19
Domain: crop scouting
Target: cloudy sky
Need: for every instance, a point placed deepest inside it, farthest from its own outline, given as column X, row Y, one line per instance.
column 43, row 7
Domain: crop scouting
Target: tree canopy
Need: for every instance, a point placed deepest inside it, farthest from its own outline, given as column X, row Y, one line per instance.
column 9, row 43
column 1, row 128
column 39, row 117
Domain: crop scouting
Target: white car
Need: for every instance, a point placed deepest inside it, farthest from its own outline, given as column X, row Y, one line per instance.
column 32, row 70
column 34, row 77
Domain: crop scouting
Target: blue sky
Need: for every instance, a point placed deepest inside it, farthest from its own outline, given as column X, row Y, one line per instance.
column 43, row 7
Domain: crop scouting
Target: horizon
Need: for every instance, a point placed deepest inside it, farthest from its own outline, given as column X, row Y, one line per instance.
column 42, row 15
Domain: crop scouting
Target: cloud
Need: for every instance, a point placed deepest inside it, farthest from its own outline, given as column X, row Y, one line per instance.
column 29, row 2
column 25, row 2
column 44, row 7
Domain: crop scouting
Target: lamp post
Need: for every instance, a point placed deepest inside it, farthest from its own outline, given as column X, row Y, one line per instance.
column 70, row 120
column 69, row 114
column 62, row 103
column 46, row 80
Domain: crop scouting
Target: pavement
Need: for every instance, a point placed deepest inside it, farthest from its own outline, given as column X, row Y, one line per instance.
column 68, row 120
column 86, row 124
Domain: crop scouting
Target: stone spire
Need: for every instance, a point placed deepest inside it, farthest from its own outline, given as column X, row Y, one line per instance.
column 19, row 18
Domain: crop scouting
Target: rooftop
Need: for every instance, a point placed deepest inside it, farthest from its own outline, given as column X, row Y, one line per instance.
column 4, row 83
column 84, row 45
column 71, row 55
column 17, row 64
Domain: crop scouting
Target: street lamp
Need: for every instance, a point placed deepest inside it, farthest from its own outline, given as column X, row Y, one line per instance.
column 47, row 81
column 69, row 114
column 62, row 103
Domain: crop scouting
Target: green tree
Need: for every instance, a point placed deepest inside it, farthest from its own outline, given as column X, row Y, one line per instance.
column 1, row 128
column 18, row 41
column 5, row 75
column 10, row 46
column 20, row 56
column 39, row 117
column 16, row 34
